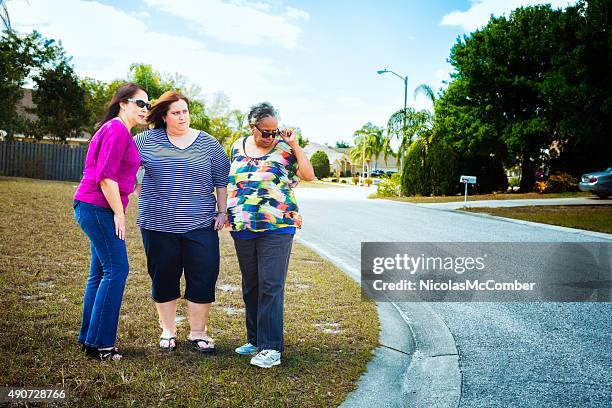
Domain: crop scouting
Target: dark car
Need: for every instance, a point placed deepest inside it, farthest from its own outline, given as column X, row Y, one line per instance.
column 377, row 173
column 598, row 183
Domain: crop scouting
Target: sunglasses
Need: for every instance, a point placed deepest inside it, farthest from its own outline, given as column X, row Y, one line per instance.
column 268, row 133
column 140, row 103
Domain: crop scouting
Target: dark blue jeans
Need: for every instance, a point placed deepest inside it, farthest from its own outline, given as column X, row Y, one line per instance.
column 263, row 263
column 107, row 275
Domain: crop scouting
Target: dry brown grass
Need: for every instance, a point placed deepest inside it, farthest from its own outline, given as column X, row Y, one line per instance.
column 44, row 259
column 588, row 217
column 500, row 196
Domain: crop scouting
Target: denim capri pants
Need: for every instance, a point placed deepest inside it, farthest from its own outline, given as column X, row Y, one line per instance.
column 168, row 254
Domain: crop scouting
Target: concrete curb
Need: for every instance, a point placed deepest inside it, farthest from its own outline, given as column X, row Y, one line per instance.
column 416, row 347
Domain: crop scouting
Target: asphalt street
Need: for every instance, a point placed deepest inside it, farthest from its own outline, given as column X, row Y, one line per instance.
column 510, row 354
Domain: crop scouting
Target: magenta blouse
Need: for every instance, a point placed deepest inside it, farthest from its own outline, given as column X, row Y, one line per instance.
column 112, row 154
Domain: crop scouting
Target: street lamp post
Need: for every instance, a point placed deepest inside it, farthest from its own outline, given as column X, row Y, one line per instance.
column 405, row 79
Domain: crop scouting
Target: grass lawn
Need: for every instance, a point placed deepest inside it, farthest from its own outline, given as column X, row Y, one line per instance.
column 501, row 196
column 44, row 258
column 588, row 217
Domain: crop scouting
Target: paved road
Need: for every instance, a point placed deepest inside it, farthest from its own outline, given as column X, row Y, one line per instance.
column 511, row 354
column 519, row 203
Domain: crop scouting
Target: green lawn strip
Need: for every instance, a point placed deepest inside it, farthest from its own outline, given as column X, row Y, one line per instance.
column 588, row 217
column 501, row 196
column 44, row 260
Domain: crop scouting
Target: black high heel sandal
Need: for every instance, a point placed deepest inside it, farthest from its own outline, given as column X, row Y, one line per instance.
column 113, row 354
column 102, row 355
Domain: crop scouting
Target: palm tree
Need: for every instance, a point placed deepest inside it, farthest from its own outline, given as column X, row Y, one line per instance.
column 386, row 149
column 417, row 124
column 4, row 15
column 368, row 142
column 427, row 91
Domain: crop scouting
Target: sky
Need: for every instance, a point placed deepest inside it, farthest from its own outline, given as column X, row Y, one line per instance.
column 315, row 60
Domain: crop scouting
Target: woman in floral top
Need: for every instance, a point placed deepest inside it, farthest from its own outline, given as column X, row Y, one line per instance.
column 263, row 215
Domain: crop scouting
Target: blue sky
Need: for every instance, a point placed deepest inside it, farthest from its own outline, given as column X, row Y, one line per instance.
column 316, row 61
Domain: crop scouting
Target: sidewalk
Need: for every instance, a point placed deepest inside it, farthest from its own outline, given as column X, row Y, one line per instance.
column 518, row 203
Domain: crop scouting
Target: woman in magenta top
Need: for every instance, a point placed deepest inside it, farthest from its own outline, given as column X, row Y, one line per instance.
column 99, row 208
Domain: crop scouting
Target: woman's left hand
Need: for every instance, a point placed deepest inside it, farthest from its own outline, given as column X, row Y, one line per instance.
column 289, row 136
column 219, row 221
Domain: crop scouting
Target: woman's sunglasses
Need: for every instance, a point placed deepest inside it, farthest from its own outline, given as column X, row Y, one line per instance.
column 268, row 133
column 140, row 103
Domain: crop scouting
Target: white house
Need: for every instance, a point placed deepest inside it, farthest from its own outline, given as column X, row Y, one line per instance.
column 339, row 159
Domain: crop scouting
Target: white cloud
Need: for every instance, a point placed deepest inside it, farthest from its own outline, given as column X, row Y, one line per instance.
column 104, row 47
column 480, row 11
column 142, row 14
column 297, row 14
column 240, row 22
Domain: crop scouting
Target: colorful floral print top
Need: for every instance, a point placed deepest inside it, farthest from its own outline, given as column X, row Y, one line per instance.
column 260, row 190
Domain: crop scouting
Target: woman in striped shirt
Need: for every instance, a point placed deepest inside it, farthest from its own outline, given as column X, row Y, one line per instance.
column 179, row 216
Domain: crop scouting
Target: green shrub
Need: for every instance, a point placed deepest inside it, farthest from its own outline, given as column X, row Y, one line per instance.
column 561, row 183
column 514, row 182
column 320, row 164
column 355, row 179
column 414, row 177
column 343, row 181
column 368, row 182
column 389, row 186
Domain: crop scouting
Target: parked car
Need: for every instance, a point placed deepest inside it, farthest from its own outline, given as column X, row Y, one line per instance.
column 598, row 183
column 389, row 173
column 377, row 173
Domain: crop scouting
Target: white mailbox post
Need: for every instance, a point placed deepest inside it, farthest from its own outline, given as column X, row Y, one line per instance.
column 467, row 180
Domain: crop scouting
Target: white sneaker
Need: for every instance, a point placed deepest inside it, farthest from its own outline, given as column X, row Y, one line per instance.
column 266, row 359
column 246, row 349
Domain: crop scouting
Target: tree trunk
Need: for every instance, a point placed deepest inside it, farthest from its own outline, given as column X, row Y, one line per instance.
column 527, row 174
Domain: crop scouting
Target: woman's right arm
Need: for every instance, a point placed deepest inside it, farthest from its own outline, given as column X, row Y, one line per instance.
column 108, row 166
column 110, row 189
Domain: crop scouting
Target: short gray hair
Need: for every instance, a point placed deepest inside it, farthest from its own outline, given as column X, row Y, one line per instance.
column 261, row 111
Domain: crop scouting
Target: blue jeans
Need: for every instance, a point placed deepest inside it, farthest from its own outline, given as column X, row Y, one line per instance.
column 107, row 275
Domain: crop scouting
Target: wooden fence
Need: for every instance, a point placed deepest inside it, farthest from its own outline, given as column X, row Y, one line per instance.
column 42, row 161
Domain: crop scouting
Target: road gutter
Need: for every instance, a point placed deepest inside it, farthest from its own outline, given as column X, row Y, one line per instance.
column 416, row 364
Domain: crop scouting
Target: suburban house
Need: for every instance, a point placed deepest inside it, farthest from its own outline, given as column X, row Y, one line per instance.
column 23, row 106
column 340, row 161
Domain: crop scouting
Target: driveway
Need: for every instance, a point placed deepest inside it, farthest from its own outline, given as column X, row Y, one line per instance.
column 509, row 354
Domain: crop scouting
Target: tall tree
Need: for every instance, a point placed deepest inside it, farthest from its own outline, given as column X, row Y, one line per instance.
column 4, row 16
column 59, row 103
column 20, row 55
column 367, row 141
column 149, row 79
column 96, row 101
column 502, row 69
column 579, row 88
column 341, row 144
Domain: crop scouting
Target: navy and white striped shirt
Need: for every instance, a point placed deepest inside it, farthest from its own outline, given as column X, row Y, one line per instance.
column 177, row 187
